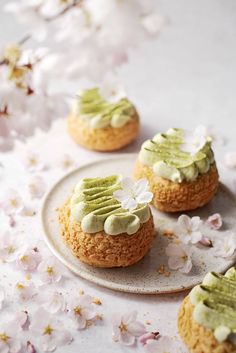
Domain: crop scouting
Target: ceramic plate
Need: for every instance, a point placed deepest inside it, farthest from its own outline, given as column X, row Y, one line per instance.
column 145, row 276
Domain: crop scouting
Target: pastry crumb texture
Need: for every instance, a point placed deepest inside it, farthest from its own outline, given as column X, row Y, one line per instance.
column 103, row 250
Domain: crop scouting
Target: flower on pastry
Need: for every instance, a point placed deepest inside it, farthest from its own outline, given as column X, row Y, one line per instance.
column 133, row 193
column 112, row 90
column 214, row 221
column 49, row 330
column 81, row 310
column 179, row 257
column 126, row 328
column 188, row 229
column 224, row 245
column 195, row 140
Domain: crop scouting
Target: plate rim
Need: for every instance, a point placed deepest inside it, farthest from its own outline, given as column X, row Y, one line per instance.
column 83, row 274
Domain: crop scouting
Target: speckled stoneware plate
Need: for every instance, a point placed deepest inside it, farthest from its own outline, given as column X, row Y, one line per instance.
column 144, row 276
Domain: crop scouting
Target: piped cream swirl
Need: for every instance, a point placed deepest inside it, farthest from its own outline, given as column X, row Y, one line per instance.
column 94, row 205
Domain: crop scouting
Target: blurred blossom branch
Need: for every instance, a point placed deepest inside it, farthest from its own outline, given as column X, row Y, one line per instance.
column 76, row 39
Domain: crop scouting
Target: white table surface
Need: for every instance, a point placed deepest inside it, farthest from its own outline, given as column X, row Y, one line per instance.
column 186, row 77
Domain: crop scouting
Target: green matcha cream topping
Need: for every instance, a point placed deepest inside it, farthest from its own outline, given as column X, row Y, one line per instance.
column 214, row 304
column 164, row 155
column 94, row 205
column 99, row 113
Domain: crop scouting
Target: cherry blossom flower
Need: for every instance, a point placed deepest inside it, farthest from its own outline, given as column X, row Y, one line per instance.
column 25, row 290
column 30, row 348
column 21, row 318
column 148, row 336
column 179, row 257
column 67, row 162
column 214, row 221
column 12, row 202
column 230, row 160
column 82, row 310
column 50, row 270
column 164, row 344
column 2, row 297
column 194, row 141
column 133, row 193
column 33, row 163
column 224, row 245
column 126, row 328
column 53, row 302
column 9, row 246
column 112, row 90
column 206, row 242
column 8, row 342
column 188, row 229
column 28, row 259
column 37, row 187
column 50, row 331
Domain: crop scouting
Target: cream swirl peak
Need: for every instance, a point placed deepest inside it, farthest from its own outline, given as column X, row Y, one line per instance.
column 99, row 113
column 164, row 154
column 215, row 304
column 94, row 205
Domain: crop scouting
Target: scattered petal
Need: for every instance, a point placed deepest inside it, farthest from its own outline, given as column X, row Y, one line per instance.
column 126, row 328
column 81, row 310
column 194, row 141
column 188, row 229
column 28, row 259
column 37, row 187
column 50, row 271
column 25, row 290
column 148, row 336
column 214, row 221
column 224, row 245
column 179, row 257
column 53, row 302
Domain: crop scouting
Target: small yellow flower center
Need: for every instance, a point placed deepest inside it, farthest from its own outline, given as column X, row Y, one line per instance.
column 24, row 258
column 20, row 286
column 123, row 327
column 11, row 249
column 14, row 202
column 50, row 270
column 33, row 161
column 4, row 337
column 77, row 310
column 48, row 330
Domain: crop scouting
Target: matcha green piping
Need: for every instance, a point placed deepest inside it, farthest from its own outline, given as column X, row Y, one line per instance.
column 164, row 155
column 215, row 304
column 94, row 205
column 93, row 108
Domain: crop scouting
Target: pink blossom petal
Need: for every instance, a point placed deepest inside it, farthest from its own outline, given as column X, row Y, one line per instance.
column 184, row 222
column 127, row 339
column 195, row 223
column 175, row 263
column 147, row 336
column 214, row 221
column 137, row 328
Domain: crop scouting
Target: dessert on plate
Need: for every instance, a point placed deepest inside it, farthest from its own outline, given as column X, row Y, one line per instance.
column 180, row 168
column 102, row 125
column 207, row 317
column 102, row 231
